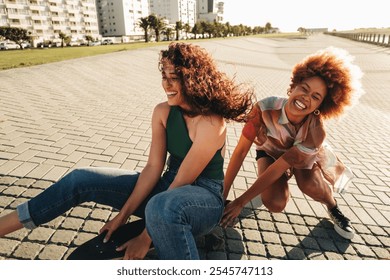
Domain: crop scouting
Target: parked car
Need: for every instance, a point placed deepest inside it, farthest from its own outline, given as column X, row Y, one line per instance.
column 9, row 46
column 107, row 42
column 26, row 45
column 45, row 44
column 48, row 44
column 96, row 43
column 74, row 44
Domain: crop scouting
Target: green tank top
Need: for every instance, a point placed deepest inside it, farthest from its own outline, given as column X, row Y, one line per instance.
column 179, row 143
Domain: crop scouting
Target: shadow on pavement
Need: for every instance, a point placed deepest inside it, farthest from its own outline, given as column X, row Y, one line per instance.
column 320, row 243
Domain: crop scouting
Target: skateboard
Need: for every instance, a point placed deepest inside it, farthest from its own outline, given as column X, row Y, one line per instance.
column 95, row 249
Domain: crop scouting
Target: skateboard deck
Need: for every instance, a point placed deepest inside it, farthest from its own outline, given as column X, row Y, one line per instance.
column 95, row 249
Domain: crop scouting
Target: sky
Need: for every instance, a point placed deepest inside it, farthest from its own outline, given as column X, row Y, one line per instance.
column 289, row 15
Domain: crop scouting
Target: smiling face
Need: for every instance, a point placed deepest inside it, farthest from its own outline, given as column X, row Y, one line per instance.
column 305, row 98
column 172, row 85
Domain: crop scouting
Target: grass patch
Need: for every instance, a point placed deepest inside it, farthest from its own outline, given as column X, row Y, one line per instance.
column 29, row 57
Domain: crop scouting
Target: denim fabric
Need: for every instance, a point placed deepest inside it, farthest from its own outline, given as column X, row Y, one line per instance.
column 108, row 186
column 175, row 217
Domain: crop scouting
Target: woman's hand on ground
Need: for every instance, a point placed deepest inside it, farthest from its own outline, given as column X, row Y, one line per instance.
column 136, row 248
column 112, row 226
column 230, row 214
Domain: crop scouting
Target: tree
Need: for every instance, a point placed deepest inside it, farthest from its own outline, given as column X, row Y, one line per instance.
column 18, row 35
column 205, row 28
column 227, row 30
column 187, row 29
column 168, row 32
column 178, row 28
column 302, row 30
column 258, row 30
column 268, row 27
column 197, row 29
column 144, row 24
column 63, row 38
column 157, row 24
column 89, row 38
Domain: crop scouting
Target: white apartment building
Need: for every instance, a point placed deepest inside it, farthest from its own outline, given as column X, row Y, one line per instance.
column 210, row 10
column 174, row 10
column 121, row 17
column 44, row 19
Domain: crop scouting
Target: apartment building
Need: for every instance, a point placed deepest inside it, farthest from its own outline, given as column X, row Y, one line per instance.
column 210, row 10
column 45, row 19
column 121, row 17
column 175, row 10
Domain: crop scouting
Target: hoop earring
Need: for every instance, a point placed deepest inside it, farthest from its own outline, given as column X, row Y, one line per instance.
column 317, row 112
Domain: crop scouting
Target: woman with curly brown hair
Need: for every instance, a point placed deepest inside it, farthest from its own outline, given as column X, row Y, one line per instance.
column 289, row 135
column 183, row 201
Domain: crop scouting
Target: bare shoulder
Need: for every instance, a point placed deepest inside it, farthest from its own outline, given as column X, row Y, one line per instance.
column 212, row 123
column 161, row 112
column 162, row 107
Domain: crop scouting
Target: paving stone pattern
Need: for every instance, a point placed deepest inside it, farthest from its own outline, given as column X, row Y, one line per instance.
column 96, row 111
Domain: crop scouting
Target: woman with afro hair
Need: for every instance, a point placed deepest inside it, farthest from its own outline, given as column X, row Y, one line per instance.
column 179, row 202
column 289, row 137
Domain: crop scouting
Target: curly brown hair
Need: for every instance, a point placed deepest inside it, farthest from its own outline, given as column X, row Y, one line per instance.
column 342, row 78
column 205, row 89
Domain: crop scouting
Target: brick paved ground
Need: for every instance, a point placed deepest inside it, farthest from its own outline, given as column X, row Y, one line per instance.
column 96, row 111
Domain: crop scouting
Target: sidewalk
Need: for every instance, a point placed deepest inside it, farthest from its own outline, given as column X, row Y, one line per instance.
column 96, row 111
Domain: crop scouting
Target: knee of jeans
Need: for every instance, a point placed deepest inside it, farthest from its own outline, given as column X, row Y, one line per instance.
column 79, row 173
column 75, row 178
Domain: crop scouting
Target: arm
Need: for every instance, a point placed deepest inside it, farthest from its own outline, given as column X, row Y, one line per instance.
column 248, row 136
column 264, row 181
column 149, row 175
column 235, row 163
column 154, row 166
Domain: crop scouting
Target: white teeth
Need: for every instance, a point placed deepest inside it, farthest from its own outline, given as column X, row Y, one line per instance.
column 300, row 105
column 171, row 93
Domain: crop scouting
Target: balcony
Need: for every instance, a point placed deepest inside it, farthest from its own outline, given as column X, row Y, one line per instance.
column 56, row 8
column 58, row 18
column 41, row 26
column 59, row 28
column 89, row 12
column 38, row 17
column 24, row 25
column 88, row 4
column 76, row 28
column 90, row 20
column 18, row 16
column 72, row 2
column 92, row 28
column 37, row 7
column 14, row 5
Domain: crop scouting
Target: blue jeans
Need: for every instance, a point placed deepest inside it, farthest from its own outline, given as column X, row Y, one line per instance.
column 175, row 217
column 113, row 187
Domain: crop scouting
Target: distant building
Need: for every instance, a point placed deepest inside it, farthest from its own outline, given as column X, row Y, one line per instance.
column 174, row 10
column 210, row 10
column 45, row 19
column 316, row 30
column 119, row 18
